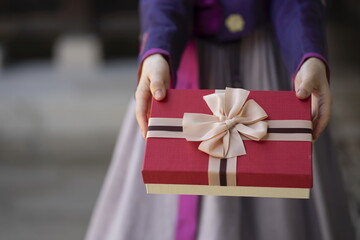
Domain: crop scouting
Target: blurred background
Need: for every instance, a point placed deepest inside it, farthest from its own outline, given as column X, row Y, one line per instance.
column 67, row 73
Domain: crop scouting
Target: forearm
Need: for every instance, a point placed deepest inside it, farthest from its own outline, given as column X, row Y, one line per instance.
column 166, row 27
column 300, row 30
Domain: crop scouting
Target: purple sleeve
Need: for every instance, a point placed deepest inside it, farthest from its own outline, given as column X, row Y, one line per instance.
column 165, row 54
column 316, row 55
column 300, row 30
column 167, row 26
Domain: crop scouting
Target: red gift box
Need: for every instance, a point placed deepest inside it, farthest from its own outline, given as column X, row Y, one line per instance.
column 270, row 168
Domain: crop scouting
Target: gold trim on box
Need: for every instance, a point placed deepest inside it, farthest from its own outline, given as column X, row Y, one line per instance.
column 302, row 193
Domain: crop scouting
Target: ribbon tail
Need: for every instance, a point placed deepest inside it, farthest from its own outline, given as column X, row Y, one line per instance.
column 236, row 146
column 255, row 131
column 226, row 143
column 213, row 146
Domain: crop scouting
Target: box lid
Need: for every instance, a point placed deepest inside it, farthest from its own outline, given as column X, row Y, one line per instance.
column 266, row 164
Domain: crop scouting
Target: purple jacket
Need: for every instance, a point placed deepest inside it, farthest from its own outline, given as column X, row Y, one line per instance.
column 167, row 26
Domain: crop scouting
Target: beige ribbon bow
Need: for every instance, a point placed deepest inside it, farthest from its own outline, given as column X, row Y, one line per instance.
column 219, row 133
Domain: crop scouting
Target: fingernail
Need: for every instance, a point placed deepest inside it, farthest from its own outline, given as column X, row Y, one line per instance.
column 158, row 94
column 302, row 93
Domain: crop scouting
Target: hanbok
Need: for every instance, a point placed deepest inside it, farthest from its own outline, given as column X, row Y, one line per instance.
column 125, row 212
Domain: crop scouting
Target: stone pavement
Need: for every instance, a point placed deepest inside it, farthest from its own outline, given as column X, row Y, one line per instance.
column 58, row 129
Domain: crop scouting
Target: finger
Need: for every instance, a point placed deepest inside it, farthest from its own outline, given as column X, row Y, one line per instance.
column 297, row 81
column 323, row 116
column 306, row 87
column 143, row 98
column 158, row 86
column 314, row 112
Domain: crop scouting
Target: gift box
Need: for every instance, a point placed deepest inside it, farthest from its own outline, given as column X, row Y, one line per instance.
column 229, row 142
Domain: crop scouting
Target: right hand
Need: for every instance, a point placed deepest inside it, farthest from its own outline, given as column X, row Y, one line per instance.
column 154, row 80
column 311, row 81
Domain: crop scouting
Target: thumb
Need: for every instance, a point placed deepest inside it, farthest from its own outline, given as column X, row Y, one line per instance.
column 158, row 87
column 305, row 89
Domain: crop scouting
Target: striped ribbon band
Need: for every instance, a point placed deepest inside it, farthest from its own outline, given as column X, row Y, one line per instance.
column 222, row 172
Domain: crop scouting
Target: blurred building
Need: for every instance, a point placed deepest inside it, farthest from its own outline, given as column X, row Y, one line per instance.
column 30, row 28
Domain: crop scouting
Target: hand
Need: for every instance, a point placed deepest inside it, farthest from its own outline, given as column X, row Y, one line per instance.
column 154, row 80
column 311, row 81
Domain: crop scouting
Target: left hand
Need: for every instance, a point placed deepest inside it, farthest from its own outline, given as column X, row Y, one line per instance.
column 154, row 80
column 311, row 81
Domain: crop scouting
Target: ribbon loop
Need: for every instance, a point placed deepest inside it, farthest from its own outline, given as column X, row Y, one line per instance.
column 232, row 116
